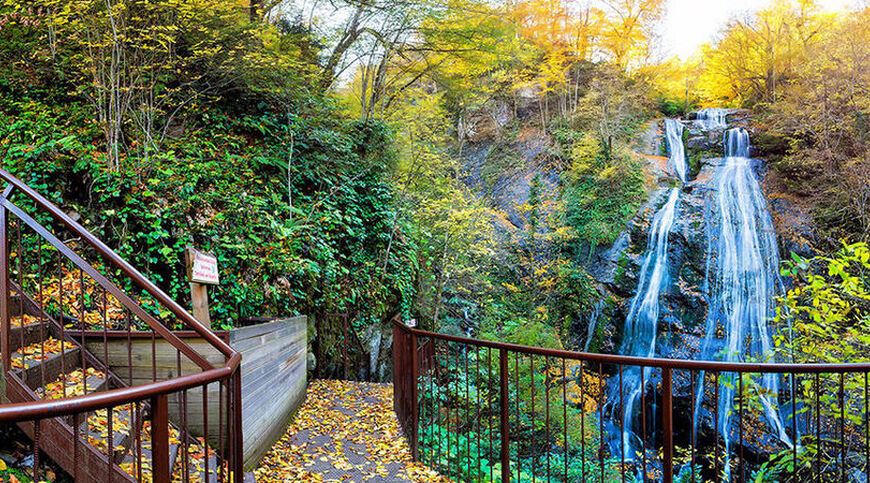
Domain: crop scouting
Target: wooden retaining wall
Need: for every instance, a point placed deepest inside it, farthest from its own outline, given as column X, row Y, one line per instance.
column 273, row 377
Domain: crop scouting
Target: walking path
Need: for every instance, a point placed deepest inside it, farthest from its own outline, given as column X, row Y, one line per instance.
column 346, row 432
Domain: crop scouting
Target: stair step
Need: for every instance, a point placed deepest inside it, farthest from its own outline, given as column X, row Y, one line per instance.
column 34, row 354
column 28, row 331
column 96, row 430
column 43, row 361
column 77, row 384
column 197, row 465
column 129, row 463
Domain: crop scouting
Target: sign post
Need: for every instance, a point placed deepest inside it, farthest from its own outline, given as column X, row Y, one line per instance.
column 202, row 271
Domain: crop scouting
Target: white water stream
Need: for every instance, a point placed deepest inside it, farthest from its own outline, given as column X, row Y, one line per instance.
column 742, row 281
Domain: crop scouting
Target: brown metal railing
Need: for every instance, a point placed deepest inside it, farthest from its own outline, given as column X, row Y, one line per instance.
column 138, row 413
column 478, row 410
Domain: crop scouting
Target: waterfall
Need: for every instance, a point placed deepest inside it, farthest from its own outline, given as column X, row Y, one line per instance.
column 676, row 149
column 593, row 323
column 742, row 280
column 712, row 118
column 641, row 325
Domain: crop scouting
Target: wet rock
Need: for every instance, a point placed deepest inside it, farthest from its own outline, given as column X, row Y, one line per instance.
column 699, row 143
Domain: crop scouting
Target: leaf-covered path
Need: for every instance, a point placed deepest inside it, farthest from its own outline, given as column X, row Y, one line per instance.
column 345, row 431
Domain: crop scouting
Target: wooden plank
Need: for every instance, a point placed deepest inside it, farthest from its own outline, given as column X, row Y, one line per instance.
column 274, row 371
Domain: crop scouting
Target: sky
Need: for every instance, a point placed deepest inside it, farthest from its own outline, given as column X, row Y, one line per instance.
column 690, row 23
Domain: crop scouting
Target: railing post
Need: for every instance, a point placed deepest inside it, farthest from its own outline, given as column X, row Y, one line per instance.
column 415, row 409
column 346, row 346
column 5, row 331
column 238, row 445
column 667, row 425
column 397, row 370
column 160, row 438
column 503, row 378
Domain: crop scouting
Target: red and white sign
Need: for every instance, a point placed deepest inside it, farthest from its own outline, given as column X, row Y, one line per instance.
column 204, row 269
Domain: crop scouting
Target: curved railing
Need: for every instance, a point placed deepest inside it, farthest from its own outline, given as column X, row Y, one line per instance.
column 479, row 410
column 140, row 405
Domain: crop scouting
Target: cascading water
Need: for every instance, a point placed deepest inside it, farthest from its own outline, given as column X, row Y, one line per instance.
column 712, row 118
column 593, row 323
column 676, row 149
column 742, row 280
column 639, row 337
column 641, row 325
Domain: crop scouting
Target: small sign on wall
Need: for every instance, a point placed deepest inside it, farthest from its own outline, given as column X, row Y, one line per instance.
column 201, row 271
column 203, row 267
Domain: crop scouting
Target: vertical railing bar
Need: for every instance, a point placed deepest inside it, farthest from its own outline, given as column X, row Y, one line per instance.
column 547, row 411
column 415, row 398
column 438, row 399
column 449, row 438
column 818, row 461
column 231, row 456
column 61, row 321
column 129, row 324
column 583, row 420
column 82, row 323
column 741, row 476
column 667, row 425
column 468, row 423
column 5, row 298
column 477, row 392
column 221, row 456
column 794, row 429
column 20, row 257
column 185, row 442
column 137, row 428
column 565, row 413
column 110, row 442
column 75, row 428
column 504, row 414
column 517, row 414
column 490, row 452
column 153, row 355
column 643, row 421
column 346, row 345
column 185, row 435
column 239, row 469
column 621, row 427
column 866, row 428
column 435, row 403
column 716, row 472
column 600, row 422
column 532, row 446
column 43, row 320
column 36, row 431
column 160, row 466
column 842, row 401
column 693, row 436
column 105, row 332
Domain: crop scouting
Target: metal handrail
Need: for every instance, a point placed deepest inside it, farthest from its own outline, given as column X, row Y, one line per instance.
column 156, row 393
column 659, row 363
column 119, row 262
column 415, row 369
column 10, row 413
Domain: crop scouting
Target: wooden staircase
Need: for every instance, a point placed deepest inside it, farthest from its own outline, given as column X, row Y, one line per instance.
column 74, row 408
column 49, row 364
